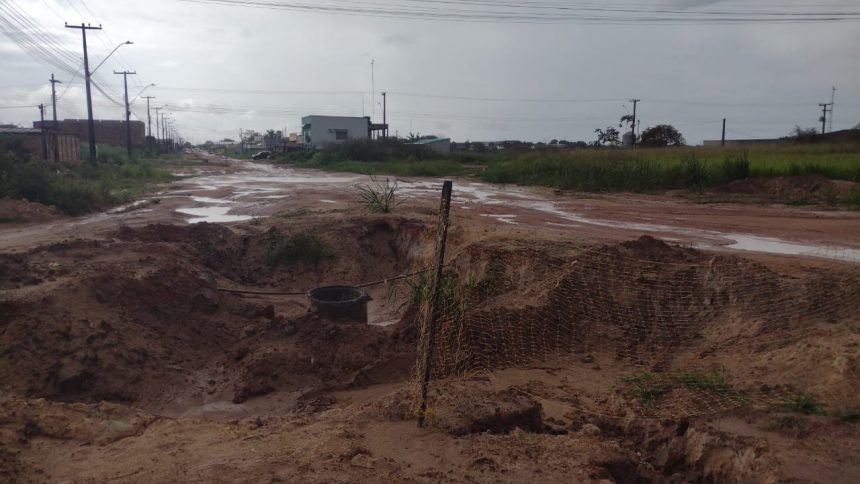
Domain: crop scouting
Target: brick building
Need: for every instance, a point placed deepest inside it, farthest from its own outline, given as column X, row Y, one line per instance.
column 59, row 147
column 108, row 131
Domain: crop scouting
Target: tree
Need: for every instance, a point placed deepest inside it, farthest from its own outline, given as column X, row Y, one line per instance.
column 662, row 135
column 799, row 132
column 609, row 136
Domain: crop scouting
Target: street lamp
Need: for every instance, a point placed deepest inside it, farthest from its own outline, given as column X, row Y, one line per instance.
column 127, row 42
column 141, row 92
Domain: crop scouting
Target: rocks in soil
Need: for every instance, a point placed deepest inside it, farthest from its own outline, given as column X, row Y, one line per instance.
column 497, row 413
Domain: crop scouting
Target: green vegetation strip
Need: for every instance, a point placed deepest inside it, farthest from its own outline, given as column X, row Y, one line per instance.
column 595, row 169
column 76, row 189
column 648, row 387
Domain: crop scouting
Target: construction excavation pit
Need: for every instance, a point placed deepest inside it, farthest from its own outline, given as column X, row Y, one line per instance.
column 234, row 352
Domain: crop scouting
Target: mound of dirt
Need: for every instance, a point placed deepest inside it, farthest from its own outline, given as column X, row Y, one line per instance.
column 23, row 211
column 803, row 189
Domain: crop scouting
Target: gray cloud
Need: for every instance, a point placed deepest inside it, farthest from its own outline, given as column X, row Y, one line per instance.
column 231, row 68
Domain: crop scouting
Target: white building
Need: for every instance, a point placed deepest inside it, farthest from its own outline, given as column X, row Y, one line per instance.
column 319, row 131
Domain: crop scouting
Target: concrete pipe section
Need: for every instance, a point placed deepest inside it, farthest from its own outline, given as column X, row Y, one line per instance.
column 340, row 303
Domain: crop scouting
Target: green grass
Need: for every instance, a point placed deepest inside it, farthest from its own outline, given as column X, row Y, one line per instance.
column 376, row 196
column 851, row 416
column 806, row 404
column 648, row 387
column 429, row 168
column 600, row 170
column 604, row 169
column 295, row 249
column 81, row 188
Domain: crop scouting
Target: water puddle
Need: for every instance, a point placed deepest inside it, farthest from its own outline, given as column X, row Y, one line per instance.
column 214, row 214
column 504, row 218
column 210, row 200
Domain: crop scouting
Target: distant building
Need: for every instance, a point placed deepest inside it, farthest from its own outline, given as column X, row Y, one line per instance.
column 319, row 131
column 108, row 131
column 439, row 145
column 54, row 147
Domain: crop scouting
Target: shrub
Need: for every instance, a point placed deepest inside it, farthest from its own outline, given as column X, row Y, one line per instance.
column 377, row 197
column 298, row 248
column 806, row 404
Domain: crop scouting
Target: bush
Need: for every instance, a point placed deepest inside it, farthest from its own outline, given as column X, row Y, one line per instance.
column 377, row 197
column 298, row 248
column 74, row 189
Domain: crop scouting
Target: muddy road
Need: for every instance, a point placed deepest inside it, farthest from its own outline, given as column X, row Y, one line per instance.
column 228, row 190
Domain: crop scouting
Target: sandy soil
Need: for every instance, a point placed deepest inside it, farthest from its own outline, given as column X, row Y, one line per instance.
column 122, row 358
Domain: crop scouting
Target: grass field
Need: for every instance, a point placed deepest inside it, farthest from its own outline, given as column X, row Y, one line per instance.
column 80, row 188
column 656, row 169
column 602, row 170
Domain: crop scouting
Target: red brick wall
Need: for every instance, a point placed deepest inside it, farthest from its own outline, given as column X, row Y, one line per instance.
column 109, row 132
column 70, row 146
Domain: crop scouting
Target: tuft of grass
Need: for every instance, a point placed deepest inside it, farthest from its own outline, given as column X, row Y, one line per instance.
column 790, row 424
column 646, row 386
column 376, row 196
column 851, row 416
column 298, row 248
column 711, row 381
column 806, row 404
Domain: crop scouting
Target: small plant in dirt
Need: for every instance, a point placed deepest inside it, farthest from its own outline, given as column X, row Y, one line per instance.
column 851, row 416
column 806, row 404
column 707, row 381
column 377, row 196
column 646, row 386
column 787, row 424
column 298, row 248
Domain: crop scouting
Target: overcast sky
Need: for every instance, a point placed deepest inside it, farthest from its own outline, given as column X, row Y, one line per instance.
column 222, row 68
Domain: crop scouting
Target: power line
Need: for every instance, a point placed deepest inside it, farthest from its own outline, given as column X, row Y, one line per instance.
column 533, row 12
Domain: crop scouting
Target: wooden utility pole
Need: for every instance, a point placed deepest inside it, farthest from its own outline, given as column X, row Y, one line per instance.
column 431, row 315
column 633, row 124
column 723, row 139
column 56, row 125
column 90, row 123
column 824, row 115
column 384, row 122
column 148, row 116
column 42, row 128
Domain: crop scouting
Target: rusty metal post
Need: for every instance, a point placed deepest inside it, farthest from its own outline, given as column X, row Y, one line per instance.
column 429, row 326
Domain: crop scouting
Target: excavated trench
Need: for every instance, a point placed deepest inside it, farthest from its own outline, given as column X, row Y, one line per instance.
column 140, row 318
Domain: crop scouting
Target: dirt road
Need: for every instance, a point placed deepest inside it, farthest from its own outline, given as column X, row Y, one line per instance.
column 229, row 190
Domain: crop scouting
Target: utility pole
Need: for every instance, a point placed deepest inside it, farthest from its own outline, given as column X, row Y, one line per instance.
column 90, row 123
column 157, row 128
column 384, row 123
column 832, row 105
column 127, row 111
column 824, row 115
column 723, row 139
column 56, row 126
column 42, row 127
column 148, row 116
column 633, row 124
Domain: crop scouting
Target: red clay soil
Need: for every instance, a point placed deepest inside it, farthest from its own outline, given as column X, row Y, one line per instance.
column 122, row 360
